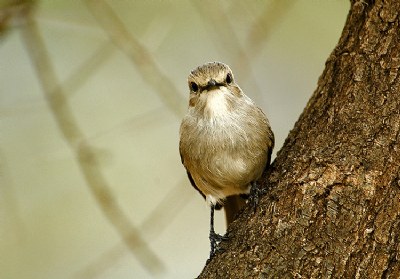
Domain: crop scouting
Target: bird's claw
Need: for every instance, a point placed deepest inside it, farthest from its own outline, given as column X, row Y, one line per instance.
column 215, row 239
column 255, row 194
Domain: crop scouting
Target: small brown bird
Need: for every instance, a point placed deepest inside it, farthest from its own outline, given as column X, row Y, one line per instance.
column 225, row 140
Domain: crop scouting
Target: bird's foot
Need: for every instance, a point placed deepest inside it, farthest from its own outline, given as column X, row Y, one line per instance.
column 256, row 192
column 215, row 239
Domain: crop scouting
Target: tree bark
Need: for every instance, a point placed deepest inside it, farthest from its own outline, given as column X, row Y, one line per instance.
column 332, row 209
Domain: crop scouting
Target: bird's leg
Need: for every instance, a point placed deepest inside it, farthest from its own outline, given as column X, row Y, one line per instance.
column 214, row 237
column 213, row 240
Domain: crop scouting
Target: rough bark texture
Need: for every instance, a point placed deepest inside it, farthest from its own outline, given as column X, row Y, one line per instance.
column 333, row 205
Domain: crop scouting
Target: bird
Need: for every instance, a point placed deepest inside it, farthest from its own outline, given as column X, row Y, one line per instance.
column 225, row 143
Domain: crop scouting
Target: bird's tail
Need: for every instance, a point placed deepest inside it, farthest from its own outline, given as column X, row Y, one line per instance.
column 232, row 206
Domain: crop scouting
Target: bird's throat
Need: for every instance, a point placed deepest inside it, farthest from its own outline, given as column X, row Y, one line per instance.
column 217, row 105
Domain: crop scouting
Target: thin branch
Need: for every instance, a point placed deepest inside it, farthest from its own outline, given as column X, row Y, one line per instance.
column 11, row 205
column 102, row 263
column 167, row 209
column 156, row 222
column 226, row 40
column 261, row 28
column 86, row 69
column 139, row 55
column 84, row 153
column 12, row 12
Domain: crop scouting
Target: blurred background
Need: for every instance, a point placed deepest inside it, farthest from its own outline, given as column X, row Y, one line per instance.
column 91, row 98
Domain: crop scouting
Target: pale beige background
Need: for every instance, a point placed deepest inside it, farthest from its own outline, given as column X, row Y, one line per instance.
column 51, row 224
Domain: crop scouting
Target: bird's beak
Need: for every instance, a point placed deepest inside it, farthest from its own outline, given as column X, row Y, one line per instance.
column 212, row 84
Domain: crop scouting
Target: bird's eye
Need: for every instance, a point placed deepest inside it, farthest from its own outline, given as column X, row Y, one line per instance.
column 193, row 86
column 229, row 78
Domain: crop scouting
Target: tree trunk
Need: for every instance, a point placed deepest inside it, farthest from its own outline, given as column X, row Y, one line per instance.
column 332, row 209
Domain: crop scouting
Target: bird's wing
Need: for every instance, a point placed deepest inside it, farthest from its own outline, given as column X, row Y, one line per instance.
column 188, row 173
column 218, row 206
